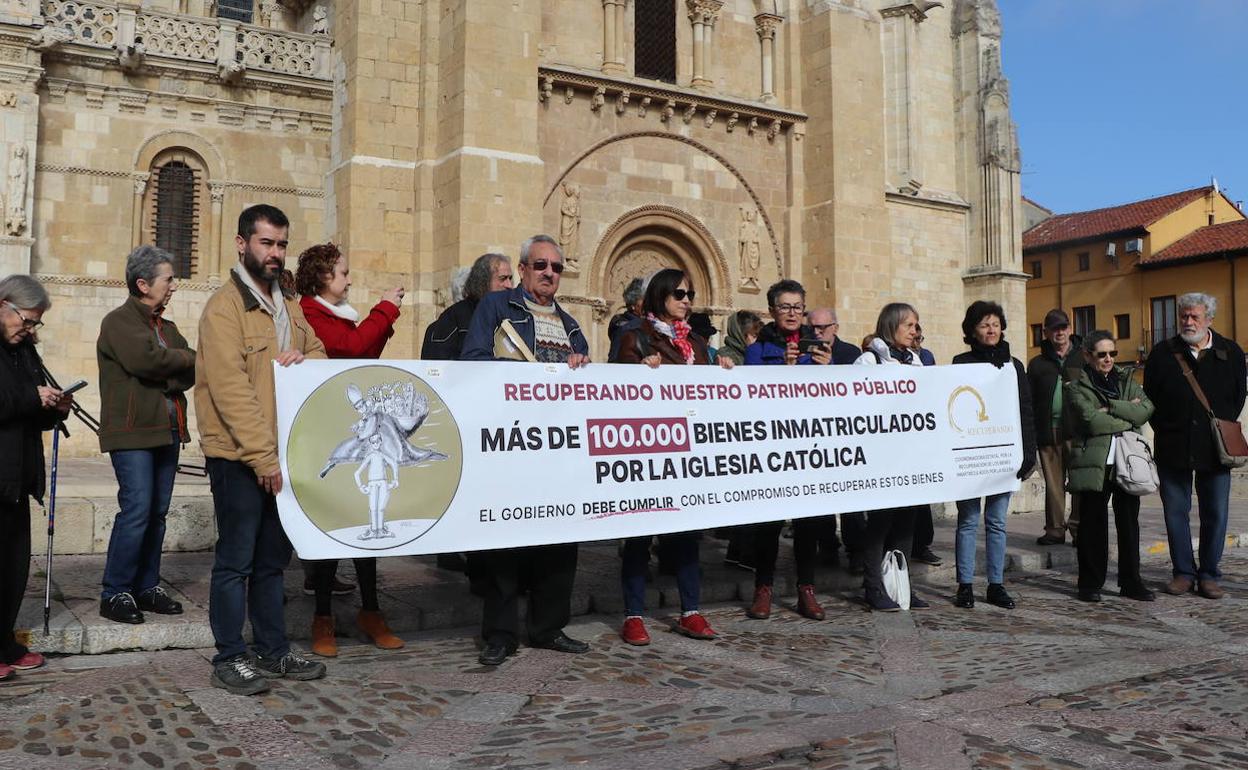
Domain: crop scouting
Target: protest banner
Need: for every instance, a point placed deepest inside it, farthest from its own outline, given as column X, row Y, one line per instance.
column 415, row 457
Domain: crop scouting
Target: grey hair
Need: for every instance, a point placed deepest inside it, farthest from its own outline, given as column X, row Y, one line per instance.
column 527, row 246
column 24, row 292
column 891, row 316
column 458, row 279
column 1192, row 299
column 477, row 285
column 634, row 291
column 142, row 264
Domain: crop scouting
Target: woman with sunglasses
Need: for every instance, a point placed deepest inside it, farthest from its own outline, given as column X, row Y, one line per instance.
column 664, row 338
column 28, row 407
column 983, row 329
column 1103, row 401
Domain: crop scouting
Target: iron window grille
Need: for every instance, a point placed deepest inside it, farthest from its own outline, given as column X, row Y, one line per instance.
column 654, row 46
column 175, row 218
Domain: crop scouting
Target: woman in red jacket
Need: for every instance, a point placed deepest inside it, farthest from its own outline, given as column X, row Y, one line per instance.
column 323, row 277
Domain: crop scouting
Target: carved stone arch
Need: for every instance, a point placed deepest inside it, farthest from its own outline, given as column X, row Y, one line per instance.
column 745, row 185
column 670, row 237
column 214, row 162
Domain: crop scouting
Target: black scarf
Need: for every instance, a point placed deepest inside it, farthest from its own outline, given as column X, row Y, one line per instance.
column 998, row 355
column 901, row 355
column 1105, row 384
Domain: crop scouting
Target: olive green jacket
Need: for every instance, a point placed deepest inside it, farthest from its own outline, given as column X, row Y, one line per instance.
column 1091, row 429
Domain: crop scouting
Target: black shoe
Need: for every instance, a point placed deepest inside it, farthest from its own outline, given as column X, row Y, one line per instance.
column 495, row 652
column 121, row 608
column 1140, row 594
column 879, row 602
column 292, row 665
column 561, row 642
column 965, row 597
column 1089, row 596
column 927, row 556
column 918, row 603
column 157, row 601
column 998, row 597
column 1050, row 540
column 239, row 677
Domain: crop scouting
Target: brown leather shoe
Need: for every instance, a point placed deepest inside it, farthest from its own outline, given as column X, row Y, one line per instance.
column 807, row 604
column 1210, row 589
column 323, row 641
column 760, row 608
column 1179, row 585
column 374, row 627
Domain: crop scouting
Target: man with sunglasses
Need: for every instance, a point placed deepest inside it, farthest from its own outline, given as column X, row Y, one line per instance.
column 545, row 571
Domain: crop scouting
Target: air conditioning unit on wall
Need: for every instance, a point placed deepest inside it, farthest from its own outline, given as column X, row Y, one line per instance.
column 1135, row 245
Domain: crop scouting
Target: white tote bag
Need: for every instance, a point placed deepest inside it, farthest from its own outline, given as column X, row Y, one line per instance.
column 897, row 578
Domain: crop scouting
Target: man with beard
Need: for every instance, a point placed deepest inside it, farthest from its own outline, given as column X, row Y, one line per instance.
column 248, row 324
column 531, row 313
column 1196, row 357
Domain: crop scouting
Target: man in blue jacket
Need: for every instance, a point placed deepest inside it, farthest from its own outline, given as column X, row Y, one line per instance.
column 546, row 571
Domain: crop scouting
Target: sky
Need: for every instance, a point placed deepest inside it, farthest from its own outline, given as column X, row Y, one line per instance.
column 1119, row 100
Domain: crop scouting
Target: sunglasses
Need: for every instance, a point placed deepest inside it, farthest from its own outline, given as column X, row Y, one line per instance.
column 540, row 265
column 680, row 294
column 1107, row 354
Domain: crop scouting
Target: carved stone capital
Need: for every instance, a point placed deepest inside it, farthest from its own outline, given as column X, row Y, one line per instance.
column 765, row 25
column 704, row 11
column 141, row 179
column 216, row 191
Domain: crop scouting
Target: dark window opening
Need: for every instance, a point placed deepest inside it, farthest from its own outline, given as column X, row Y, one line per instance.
column 654, row 47
column 1164, row 319
column 1122, row 326
column 1085, row 261
column 1037, row 335
column 1037, row 269
column 235, row 10
column 1085, row 320
column 175, row 218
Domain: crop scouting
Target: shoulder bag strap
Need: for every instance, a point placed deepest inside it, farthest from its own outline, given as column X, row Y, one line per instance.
column 1191, row 380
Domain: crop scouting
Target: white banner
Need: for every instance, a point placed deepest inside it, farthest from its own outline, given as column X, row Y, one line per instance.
column 416, row 457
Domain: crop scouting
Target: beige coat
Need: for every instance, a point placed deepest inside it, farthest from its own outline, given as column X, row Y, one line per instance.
column 235, row 404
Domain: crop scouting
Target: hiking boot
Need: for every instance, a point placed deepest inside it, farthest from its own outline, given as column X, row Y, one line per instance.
column 238, row 676
column 158, row 601
column 292, row 665
column 807, row 604
column 760, row 608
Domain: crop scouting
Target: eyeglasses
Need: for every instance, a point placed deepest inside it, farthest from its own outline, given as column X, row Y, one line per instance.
column 1107, row 354
column 789, row 308
column 540, row 265
column 27, row 323
column 823, row 327
column 680, row 294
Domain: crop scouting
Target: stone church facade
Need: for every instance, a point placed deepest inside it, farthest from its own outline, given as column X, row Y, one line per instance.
column 864, row 147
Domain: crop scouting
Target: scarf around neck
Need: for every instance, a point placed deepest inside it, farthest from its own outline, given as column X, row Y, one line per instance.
column 998, row 355
column 1105, row 384
column 677, row 332
column 342, row 310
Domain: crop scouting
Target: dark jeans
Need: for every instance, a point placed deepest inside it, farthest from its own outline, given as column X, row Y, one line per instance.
column 682, row 549
column 252, row 553
column 853, row 530
column 546, row 572
column 14, row 571
column 888, row 529
column 1093, row 545
column 144, row 488
column 1213, row 489
column 767, row 550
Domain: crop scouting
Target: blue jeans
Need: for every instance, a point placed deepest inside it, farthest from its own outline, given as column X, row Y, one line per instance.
column 144, row 487
column 995, row 508
column 251, row 556
column 683, row 547
column 1213, row 490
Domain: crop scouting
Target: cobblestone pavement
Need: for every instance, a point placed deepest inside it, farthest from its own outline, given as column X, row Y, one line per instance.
column 1053, row 684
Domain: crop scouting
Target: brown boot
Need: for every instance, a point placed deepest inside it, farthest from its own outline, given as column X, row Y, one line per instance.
column 807, row 604
column 1210, row 589
column 1178, row 586
column 760, row 608
column 374, row 626
column 323, row 641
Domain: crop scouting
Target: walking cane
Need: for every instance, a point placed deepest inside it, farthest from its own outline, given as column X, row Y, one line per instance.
column 47, row 585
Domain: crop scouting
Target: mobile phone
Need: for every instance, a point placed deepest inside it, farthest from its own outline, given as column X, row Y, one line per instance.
column 807, row 345
column 74, row 388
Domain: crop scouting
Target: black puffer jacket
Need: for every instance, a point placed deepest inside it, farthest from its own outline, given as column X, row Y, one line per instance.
column 999, row 356
column 22, row 421
column 1184, row 438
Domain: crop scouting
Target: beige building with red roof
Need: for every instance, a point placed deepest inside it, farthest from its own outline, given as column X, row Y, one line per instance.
column 1121, row 268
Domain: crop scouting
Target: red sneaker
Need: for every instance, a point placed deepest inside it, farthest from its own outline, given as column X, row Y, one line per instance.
column 695, row 627
column 5, row 672
column 28, row 661
column 634, row 632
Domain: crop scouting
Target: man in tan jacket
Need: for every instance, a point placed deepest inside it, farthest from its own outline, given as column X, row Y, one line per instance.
column 247, row 325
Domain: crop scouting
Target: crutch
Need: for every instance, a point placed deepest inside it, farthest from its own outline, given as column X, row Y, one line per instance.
column 47, row 585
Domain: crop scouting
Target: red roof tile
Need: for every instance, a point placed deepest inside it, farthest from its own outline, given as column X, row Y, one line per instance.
column 1205, row 242
column 1087, row 225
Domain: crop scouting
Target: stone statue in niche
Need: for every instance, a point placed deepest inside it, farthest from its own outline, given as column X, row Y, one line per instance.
column 748, row 248
column 570, row 225
column 320, row 20
column 15, row 215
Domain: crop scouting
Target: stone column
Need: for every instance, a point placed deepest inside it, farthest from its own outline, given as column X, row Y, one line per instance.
column 212, row 271
column 765, row 25
column 141, row 178
column 703, row 14
column 613, row 36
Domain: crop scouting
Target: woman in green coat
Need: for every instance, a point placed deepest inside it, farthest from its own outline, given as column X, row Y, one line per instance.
column 1100, row 403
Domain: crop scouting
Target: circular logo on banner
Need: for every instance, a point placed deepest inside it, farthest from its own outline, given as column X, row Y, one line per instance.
column 971, row 410
column 374, row 457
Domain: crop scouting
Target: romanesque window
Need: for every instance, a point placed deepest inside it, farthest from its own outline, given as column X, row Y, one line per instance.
column 174, row 202
column 654, row 46
column 235, row 10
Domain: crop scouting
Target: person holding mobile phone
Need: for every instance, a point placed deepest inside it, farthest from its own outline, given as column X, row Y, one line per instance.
column 28, row 407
